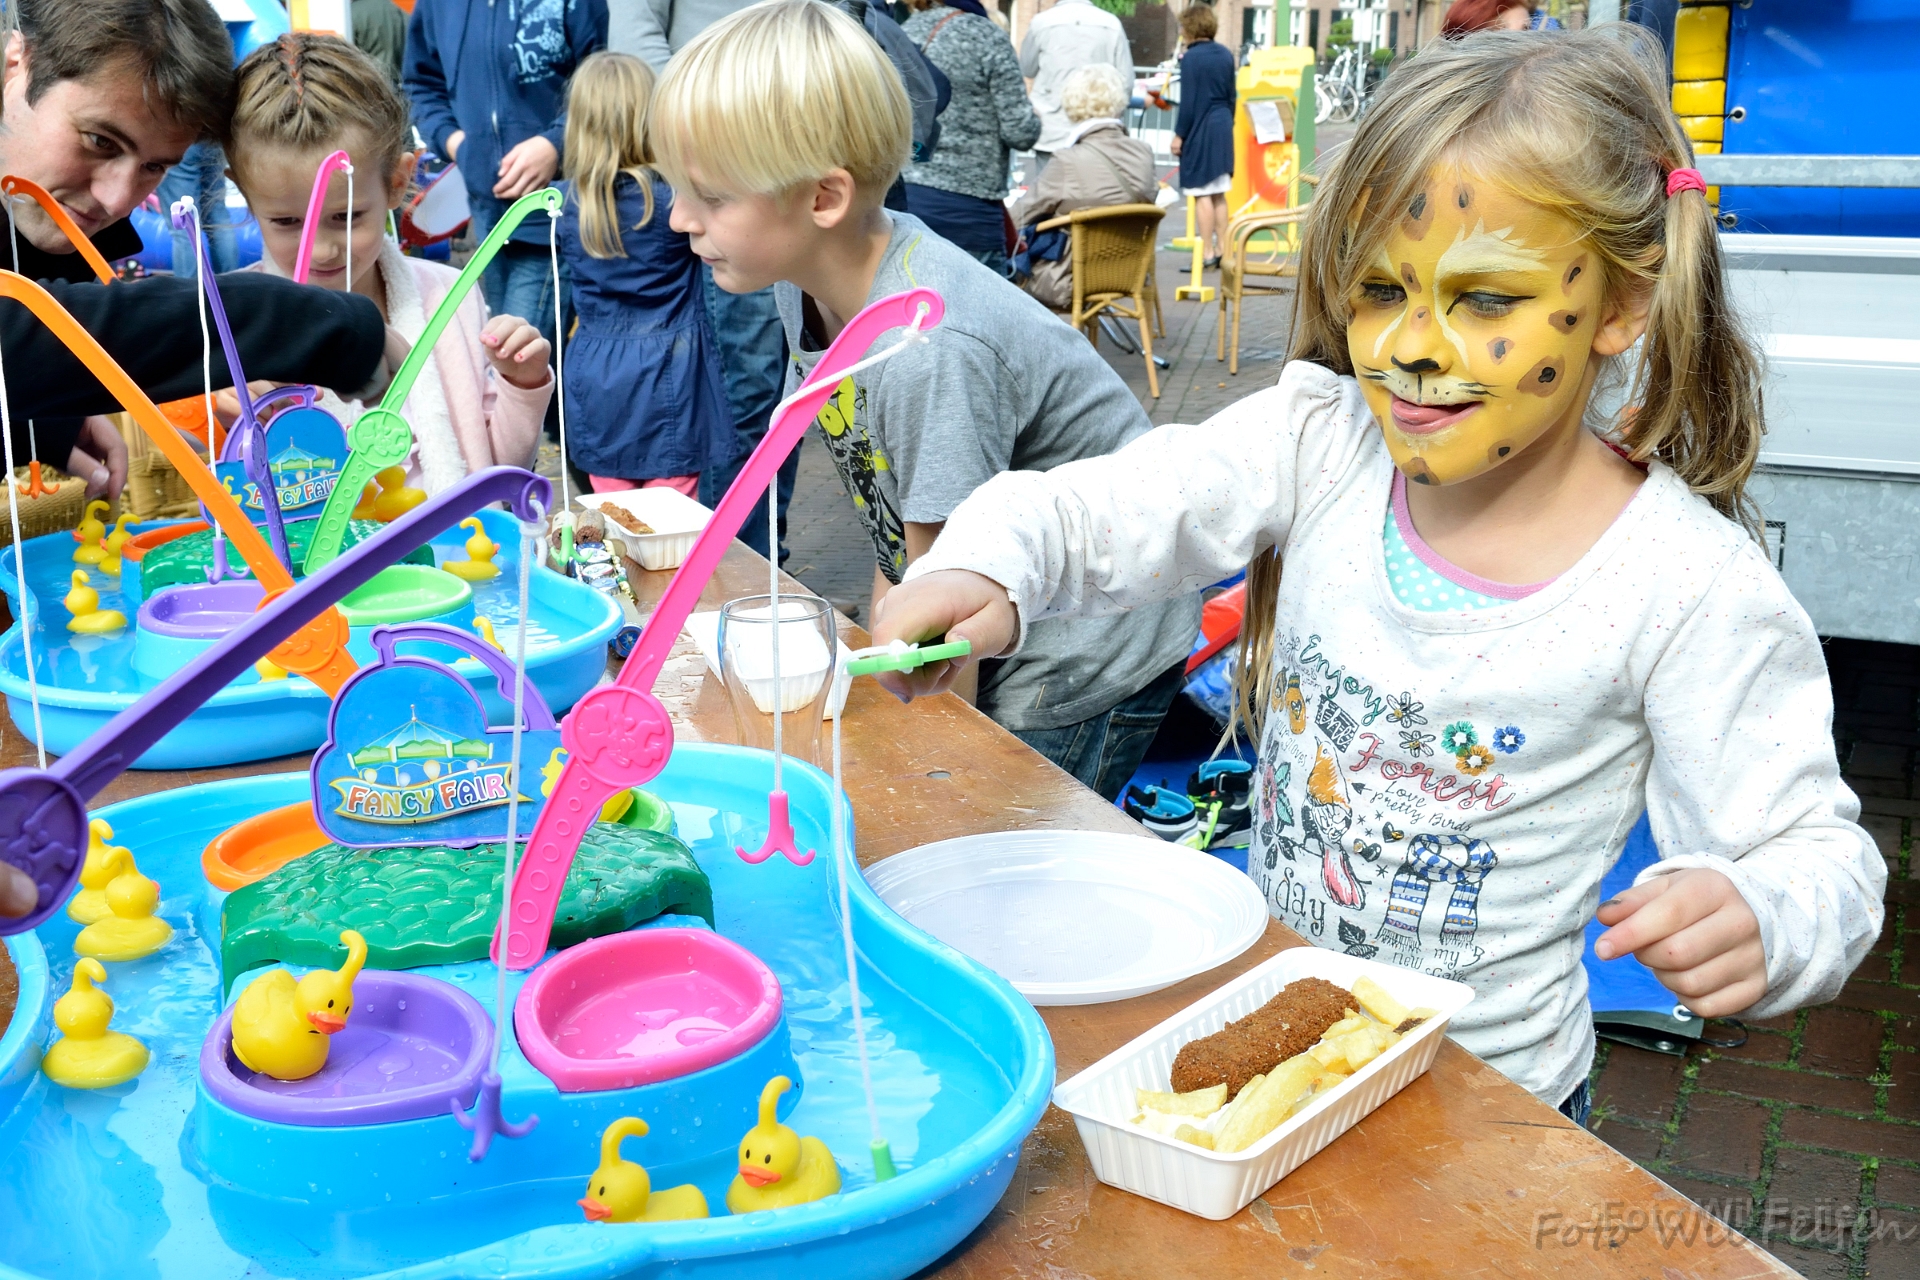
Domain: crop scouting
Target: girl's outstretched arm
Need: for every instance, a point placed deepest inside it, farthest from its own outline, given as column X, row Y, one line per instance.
column 1178, row 508
column 1768, row 893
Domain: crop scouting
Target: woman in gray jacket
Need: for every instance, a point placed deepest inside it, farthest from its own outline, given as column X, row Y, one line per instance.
column 1099, row 165
column 961, row 190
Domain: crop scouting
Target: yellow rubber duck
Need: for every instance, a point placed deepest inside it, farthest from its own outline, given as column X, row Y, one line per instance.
column 132, row 932
column 267, row 671
column 479, row 565
column 115, row 543
column 484, row 626
column 83, row 602
column 612, row 811
column 778, row 1167
column 88, row 534
column 104, row 862
column 363, row 509
column 88, row 1055
column 620, row 1191
column 396, row 496
column 282, row 1028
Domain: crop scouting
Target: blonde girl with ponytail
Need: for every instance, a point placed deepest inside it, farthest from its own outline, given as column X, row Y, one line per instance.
column 481, row 400
column 1488, row 625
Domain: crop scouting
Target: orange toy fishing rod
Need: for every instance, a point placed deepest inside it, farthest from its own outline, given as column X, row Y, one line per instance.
column 12, row 186
column 319, row 651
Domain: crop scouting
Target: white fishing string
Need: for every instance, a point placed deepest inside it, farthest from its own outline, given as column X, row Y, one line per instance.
column 206, row 370
column 20, row 567
column 773, row 611
column 529, row 533
column 843, row 858
column 13, row 235
column 908, row 339
column 559, row 357
column 347, row 169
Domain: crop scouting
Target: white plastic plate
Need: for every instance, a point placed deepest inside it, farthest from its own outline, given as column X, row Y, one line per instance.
column 1076, row 917
column 1212, row 1185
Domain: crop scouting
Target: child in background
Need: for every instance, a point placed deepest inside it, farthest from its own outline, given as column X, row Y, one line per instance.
column 479, row 402
column 774, row 186
column 645, row 404
column 1473, row 684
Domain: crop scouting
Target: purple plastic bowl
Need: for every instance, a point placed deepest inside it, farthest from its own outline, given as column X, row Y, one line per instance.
column 200, row 611
column 410, row 1046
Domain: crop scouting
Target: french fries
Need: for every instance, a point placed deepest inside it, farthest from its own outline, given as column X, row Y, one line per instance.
column 1205, row 1118
column 1201, row 1102
column 1198, row 1137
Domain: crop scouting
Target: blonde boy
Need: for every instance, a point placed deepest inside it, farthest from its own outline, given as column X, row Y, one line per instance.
column 781, row 128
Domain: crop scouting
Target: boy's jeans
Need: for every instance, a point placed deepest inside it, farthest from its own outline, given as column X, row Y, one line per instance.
column 202, row 174
column 1102, row 751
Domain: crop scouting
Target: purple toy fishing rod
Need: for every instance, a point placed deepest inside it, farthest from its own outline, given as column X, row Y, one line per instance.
column 43, row 814
column 253, row 436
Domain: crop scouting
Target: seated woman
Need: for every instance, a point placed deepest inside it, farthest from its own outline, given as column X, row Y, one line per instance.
column 1100, row 165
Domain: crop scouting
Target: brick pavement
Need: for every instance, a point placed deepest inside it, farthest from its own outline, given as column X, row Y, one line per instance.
column 1806, row 1137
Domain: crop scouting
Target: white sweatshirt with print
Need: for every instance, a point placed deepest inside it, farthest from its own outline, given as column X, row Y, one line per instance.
column 1445, row 791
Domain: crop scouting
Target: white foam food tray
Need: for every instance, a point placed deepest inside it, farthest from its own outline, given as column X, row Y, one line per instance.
column 675, row 518
column 1214, row 1185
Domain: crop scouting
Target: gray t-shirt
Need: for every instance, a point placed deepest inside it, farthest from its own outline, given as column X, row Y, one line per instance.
column 1001, row 385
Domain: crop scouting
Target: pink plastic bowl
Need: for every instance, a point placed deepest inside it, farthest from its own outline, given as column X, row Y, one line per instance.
column 635, row 1008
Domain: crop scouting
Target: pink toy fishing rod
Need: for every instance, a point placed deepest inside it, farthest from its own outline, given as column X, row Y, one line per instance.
column 619, row 735
column 303, row 260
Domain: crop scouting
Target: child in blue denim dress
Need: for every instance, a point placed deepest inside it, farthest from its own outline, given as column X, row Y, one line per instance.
column 645, row 403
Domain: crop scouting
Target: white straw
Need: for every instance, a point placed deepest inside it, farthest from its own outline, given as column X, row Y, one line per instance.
column 559, row 357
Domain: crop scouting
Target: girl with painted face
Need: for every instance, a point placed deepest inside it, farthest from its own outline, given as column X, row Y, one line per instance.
column 1508, row 622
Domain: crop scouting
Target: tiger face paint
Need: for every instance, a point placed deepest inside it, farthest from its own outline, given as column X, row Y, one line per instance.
column 1473, row 329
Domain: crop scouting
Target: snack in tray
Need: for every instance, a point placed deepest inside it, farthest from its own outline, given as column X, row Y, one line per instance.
column 1339, row 1046
column 1284, row 1026
column 625, row 518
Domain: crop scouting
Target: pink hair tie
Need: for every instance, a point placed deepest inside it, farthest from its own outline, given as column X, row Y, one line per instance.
column 1685, row 180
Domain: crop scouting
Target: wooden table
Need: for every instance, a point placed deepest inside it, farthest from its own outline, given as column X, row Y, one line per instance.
column 1462, row 1173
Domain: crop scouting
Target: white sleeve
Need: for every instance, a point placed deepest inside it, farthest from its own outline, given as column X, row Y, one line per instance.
column 1744, row 781
column 1176, row 509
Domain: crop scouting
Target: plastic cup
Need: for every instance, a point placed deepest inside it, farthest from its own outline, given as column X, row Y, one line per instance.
column 808, row 641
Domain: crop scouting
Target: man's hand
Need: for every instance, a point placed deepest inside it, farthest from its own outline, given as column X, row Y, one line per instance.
column 454, row 140
column 527, row 167
column 1696, row 933
column 955, row 603
column 18, row 896
column 100, row 458
column 517, row 351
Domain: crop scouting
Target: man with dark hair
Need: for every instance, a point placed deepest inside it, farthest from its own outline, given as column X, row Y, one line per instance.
column 98, row 98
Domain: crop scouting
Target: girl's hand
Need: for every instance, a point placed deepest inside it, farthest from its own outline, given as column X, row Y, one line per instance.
column 517, row 351
column 955, row 603
column 1176, row 145
column 226, row 403
column 1696, row 933
column 17, row 893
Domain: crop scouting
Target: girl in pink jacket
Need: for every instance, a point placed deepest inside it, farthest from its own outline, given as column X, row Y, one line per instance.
column 481, row 400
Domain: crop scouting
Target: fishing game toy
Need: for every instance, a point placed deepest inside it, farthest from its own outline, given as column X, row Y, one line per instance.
column 697, row 994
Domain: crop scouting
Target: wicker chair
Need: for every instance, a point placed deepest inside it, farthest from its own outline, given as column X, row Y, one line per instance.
column 1241, row 260
column 1112, row 251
